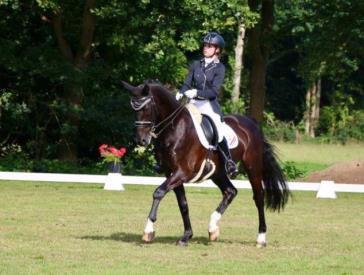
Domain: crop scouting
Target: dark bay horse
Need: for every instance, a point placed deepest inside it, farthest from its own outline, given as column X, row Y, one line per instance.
column 167, row 123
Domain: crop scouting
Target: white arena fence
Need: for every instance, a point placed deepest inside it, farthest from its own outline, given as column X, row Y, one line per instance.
column 116, row 181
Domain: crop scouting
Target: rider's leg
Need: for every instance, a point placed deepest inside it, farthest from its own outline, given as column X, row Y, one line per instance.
column 223, row 147
column 230, row 165
column 205, row 108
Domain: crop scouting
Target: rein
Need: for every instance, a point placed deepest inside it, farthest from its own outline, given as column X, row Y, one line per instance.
column 138, row 104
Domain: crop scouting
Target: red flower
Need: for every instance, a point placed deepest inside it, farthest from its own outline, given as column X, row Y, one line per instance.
column 122, row 151
column 110, row 153
column 102, row 148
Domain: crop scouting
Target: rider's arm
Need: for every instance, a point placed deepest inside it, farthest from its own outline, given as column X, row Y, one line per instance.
column 187, row 84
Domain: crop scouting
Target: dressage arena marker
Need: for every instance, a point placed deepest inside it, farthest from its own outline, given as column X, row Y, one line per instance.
column 325, row 189
column 114, row 182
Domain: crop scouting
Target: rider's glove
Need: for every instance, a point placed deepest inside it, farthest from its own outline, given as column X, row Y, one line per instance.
column 191, row 93
column 179, row 96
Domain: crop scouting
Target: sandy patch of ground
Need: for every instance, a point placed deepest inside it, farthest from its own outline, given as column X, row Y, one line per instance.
column 343, row 172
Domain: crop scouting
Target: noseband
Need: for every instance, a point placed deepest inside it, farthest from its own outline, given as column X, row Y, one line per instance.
column 139, row 103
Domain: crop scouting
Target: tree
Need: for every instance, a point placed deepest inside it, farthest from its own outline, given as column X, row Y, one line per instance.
column 331, row 35
column 258, row 39
column 79, row 60
column 238, row 68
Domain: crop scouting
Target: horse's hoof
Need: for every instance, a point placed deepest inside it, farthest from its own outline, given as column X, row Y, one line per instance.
column 181, row 243
column 148, row 237
column 213, row 235
column 261, row 245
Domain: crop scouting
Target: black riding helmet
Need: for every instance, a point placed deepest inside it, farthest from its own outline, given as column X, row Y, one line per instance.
column 215, row 39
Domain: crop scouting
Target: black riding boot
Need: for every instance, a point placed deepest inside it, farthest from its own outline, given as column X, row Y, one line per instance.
column 230, row 166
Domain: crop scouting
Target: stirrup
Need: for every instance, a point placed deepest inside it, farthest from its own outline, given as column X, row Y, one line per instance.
column 231, row 168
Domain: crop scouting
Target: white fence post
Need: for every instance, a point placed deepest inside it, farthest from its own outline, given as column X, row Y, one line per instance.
column 114, row 182
column 326, row 190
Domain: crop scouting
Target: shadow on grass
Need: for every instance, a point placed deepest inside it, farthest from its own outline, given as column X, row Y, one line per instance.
column 137, row 239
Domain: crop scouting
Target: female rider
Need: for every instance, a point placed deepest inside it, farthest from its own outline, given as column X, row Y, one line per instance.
column 202, row 86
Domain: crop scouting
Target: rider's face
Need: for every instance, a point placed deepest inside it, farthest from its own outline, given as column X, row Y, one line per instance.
column 209, row 50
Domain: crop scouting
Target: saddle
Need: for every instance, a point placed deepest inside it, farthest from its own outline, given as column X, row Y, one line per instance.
column 207, row 132
column 209, row 129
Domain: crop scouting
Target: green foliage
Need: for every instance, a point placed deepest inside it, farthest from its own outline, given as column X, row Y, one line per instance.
column 339, row 122
column 341, row 125
column 278, row 130
column 231, row 107
column 140, row 162
column 315, row 39
column 139, row 40
column 291, row 171
column 14, row 158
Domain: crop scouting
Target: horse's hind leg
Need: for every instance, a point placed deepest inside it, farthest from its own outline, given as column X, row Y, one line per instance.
column 183, row 207
column 229, row 192
column 258, row 196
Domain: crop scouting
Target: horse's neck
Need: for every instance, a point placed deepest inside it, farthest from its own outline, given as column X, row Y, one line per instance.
column 166, row 108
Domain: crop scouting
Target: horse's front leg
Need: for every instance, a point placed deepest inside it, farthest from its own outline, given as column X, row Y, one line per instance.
column 183, row 207
column 170, row 183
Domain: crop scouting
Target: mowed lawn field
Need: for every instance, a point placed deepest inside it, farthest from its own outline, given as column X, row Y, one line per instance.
column 319, row 153
column 310, row 157
column 57, row 228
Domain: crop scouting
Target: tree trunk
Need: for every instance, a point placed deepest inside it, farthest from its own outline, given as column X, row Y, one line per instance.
column 308, row 111
column 312, row 110
column 257, row 88
column 315, row 111
column 74, row 91
column 239, row 53
column 260, row 46
column 312, row 115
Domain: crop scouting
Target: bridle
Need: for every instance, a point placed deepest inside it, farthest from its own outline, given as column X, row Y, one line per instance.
column 139, row 103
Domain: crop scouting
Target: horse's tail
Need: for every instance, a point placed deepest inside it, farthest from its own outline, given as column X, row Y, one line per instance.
column 276, row 188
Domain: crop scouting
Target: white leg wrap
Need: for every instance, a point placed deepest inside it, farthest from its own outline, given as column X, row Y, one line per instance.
column 214, row 218
column 261, row 238
column 149, row 227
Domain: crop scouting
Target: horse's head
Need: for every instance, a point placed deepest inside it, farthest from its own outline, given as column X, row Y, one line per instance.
column 143, row 104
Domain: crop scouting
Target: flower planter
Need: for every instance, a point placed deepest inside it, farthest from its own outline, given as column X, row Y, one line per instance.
column 114, row 167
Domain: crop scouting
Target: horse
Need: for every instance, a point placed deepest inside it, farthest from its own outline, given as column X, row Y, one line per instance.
column 165, row 122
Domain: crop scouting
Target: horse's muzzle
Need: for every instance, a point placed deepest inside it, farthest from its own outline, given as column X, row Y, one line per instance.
column 143, row 141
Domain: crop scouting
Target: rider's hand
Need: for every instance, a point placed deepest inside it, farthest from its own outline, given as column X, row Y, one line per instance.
column 179, row 96
column 191, row 93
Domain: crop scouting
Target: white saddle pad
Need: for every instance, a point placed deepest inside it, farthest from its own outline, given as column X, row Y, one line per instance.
column 229, row 133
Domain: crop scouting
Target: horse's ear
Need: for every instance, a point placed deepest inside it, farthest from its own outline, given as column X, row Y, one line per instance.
column 145, row 90
column 129, row 87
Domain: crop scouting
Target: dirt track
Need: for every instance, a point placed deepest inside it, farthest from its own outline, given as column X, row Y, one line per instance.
column 344, row 172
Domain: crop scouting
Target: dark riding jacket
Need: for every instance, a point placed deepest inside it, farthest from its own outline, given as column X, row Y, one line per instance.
column 207, row 80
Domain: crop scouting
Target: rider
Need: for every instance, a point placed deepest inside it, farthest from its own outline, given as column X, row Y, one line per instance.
column 202, row 86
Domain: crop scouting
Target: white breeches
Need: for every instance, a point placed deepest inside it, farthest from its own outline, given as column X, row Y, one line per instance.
column 205, row 108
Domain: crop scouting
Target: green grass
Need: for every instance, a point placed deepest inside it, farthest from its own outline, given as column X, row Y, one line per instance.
column 325, row 154
column 82, row 229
